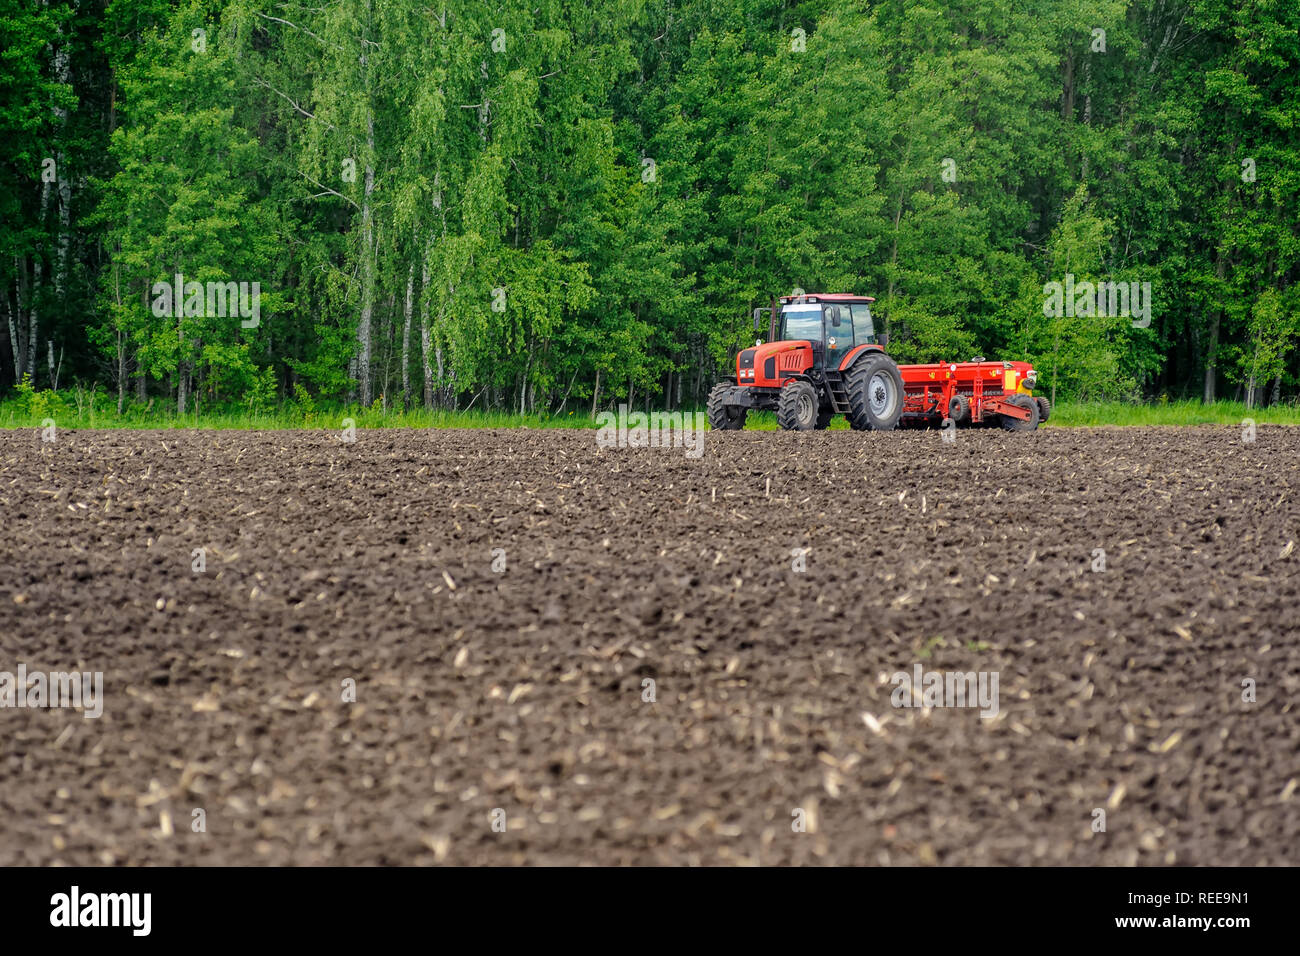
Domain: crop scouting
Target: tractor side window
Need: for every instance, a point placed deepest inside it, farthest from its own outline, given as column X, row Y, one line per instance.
column 843, row 334
column 863, row 330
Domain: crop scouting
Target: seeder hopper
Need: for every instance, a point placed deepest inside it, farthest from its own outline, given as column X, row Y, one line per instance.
column 972, row 393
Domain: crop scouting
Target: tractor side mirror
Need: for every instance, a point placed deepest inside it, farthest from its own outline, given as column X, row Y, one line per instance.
column 758, row 320
column 834, row 312
column 883, row 339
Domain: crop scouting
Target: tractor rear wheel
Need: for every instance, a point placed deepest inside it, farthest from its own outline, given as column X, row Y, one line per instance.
column 724, row 417
column 875, row 388
column 1015, row 424
column 796, row 408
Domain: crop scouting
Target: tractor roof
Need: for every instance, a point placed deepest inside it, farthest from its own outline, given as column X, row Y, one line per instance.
column 826, row 297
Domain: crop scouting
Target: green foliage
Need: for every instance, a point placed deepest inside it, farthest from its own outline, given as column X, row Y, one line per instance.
column 260, row 396
column 303, row 404
column 557, row 206
column 69, row 410
column 1272, row 327
column 1187, row 412
column 40, row 404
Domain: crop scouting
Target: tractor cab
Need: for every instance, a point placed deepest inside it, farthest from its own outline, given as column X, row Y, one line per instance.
column 831, row 329
column 832, row 324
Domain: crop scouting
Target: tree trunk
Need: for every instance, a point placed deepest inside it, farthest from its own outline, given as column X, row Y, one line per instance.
column 388, row 340
column 182, row 380
column 121, row 339
column 523, row 379
column 141, row 382
column 180, row 369
column 1212, row 347
column 367, row 269
column 1250, row 381
column 20, row 302
column 424, row 331
column 38, row 268
column 1087, row 109
column 406, row 337
column 1067, row 91
column 121, row 372
column 1208, row 391
column 13, row 339
column 443, row 392
column 62, row 75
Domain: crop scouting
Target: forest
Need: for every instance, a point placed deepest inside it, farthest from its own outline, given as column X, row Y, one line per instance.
column 555, row 207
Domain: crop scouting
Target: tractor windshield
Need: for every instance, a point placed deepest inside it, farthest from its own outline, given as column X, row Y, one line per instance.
column 801, row 322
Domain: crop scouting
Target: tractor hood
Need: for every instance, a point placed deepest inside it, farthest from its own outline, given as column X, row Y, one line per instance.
column 764, row 364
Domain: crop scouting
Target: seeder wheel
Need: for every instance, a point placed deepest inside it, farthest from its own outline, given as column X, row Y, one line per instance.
column 1015, row 424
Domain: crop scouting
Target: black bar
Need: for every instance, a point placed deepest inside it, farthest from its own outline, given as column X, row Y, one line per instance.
column 914, row 906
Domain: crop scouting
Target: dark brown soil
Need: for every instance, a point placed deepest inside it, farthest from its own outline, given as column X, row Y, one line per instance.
column 1120, row 690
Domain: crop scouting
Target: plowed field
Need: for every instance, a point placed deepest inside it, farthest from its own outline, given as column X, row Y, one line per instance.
column 480, row 647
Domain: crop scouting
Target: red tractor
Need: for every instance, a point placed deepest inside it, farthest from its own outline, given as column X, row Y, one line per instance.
column 825, row 359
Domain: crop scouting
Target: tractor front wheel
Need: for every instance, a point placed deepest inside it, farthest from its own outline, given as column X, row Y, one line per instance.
column 875, row 389
column 724, row 417
column 796, row 409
